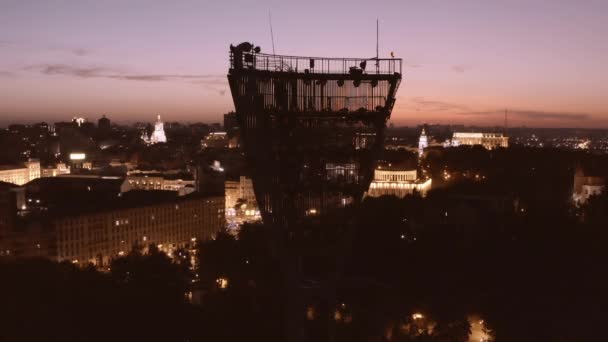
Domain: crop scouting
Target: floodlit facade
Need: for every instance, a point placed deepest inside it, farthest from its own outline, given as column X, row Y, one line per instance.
column 58, row 170
column 241, row 190
column 159, row 182
column 215, row 140
column 158, row 135
column 422, row 143
column 232, row 193
column 489, row 141
column 586, row 186
column 397, row 182
column 22, row 174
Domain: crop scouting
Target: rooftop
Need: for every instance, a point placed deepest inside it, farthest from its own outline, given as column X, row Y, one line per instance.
column 245, row 56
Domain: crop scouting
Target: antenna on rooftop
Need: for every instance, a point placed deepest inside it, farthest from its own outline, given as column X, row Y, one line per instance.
column 271, row 33
column 377, row 37
column 377, row 45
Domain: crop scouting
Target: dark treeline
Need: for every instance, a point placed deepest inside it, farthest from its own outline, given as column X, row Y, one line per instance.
column 509, row 249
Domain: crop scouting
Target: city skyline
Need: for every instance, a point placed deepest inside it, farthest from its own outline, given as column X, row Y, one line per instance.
column 463, row 63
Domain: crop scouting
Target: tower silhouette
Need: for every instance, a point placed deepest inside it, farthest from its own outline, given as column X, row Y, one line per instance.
column 312, row 130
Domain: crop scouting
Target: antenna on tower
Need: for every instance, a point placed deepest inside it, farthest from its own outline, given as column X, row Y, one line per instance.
column 377, row 45
column 271, row 33
column 377, row 37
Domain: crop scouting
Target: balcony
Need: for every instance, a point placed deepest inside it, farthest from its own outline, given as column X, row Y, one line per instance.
column 250, row 60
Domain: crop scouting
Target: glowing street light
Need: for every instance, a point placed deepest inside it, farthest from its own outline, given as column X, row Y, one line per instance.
column 222, row 283
column 417, row 316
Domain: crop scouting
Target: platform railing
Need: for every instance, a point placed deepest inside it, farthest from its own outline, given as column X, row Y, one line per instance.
column 315, row 65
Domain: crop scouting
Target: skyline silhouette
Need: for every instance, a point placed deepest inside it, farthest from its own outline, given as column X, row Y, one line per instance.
column 463, row 63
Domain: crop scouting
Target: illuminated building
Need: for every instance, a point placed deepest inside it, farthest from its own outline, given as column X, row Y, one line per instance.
column 98, row 237
column 59, row 169
column 586, row 186
column 158, row 135
column 183, row 184
column 78, row 161
column 77, row 156
column 311, row 131
column 78, row 121
column 241, row 192
column 397, row 182
column 246, row 190
column 215, row 140
column 422, row 143
column 232, row 193
column 489, row 141
column 20, row 175
column 144, row 137
column 96, row 231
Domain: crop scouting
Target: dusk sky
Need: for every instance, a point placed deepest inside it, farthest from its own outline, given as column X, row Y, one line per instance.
column 465, row 61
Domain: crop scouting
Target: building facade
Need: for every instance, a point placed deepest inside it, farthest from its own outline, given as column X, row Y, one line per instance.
column 97, row 238
column 397, row 182
column 58, row 170
column 160, row 182
column 586, row 186
column 489, row 141
column 215, row 140
column 232, row 193
column 20, row 174
column 242, row 192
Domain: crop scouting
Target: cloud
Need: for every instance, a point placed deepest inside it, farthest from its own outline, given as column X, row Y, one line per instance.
column 412, row 65
column 102, row 72
column 532, row 114
column 422, row 104
column 80, row 52
column 6, row 73
column 62, row 69
column 458, row 68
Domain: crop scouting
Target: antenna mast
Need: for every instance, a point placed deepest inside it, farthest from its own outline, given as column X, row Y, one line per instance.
column 377, row 37
column 377, row 40
column 271, row 33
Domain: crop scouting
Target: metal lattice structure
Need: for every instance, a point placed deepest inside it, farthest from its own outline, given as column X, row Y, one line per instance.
column 312, row 129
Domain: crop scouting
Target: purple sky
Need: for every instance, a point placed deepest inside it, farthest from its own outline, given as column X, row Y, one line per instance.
column 465, row 61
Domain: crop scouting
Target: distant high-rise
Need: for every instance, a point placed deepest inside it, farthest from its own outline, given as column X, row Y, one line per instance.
column 230, row 121
column 158, row 135
column 104, row 123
